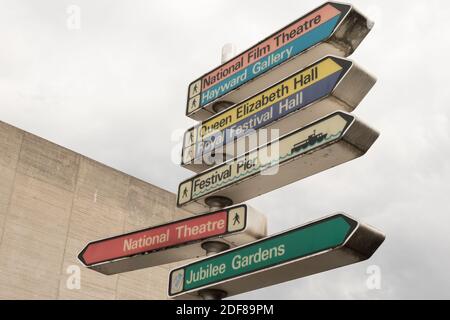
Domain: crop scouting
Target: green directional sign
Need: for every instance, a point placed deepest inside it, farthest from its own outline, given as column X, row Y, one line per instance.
column 279, row 258
column 292, row 245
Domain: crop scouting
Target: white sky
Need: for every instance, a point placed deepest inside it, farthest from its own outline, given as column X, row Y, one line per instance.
column 115, row 91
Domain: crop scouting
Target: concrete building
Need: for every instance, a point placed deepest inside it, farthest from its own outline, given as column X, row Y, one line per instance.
column 52, row 202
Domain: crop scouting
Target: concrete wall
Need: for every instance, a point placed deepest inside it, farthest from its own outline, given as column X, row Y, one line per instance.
column 52, row 202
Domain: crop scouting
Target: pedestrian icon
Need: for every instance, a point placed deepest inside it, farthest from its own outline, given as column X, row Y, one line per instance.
column 236, row 219
column 194, row 103
column 177, row 281
column 188, row 155
column 195, row 89
column 185, row 191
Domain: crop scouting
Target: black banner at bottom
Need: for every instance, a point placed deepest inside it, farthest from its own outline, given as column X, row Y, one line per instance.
column 228, row 309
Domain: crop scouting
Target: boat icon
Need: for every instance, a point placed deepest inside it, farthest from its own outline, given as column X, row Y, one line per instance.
column 310, row 141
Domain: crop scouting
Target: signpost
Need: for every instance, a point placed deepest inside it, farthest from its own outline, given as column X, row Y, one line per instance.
column 316, row 247
column 326, row 143
column 328, row 85
column 175, row 241
column 333, row 28
column 299, row 83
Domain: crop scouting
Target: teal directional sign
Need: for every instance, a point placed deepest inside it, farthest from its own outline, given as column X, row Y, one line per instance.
column 323, row 245
column 333, row 28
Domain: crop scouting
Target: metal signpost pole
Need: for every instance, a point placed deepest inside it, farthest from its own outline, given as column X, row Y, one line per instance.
column 228, row 52
column 216, row 203
column 215, row 247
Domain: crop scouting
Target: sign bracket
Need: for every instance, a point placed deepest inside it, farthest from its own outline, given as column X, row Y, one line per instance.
column 215, row 247
column 212, row 294
column 221, row 106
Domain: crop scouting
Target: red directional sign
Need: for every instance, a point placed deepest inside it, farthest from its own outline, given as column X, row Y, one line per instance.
column 113, row 255
column 157, row 238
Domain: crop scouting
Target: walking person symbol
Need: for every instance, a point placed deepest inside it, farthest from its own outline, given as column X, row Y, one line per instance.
column 185, row 192
column 236, row 219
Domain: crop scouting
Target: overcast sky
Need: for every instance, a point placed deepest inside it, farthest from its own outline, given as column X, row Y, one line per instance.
column 115, row 91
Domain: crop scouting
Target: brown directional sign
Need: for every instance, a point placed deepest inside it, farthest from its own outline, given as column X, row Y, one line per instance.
column 329, row 85
column 326, row 143
column 323, row 245
column 333, row 28
column 174, row 241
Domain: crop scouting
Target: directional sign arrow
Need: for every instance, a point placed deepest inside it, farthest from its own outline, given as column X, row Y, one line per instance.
column 326, row 143
column 175, row 241
column 316, row 247
column 328, row 85
column 333, row 28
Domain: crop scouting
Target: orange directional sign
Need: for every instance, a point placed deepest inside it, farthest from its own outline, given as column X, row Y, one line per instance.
column 326, row 143
column 333, row 28
column 329, row 85
column 175, row 241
